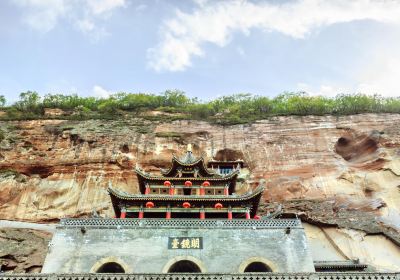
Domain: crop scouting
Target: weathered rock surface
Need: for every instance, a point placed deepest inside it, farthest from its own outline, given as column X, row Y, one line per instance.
column 332, row 244
column 22, row 250
column 341, row 171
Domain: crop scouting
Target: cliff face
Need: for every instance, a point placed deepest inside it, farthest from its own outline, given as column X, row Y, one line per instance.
column 22, row 250
column 331, row 171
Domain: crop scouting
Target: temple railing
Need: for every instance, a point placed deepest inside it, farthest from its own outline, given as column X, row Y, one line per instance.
column 209, row 276
column 181, row 223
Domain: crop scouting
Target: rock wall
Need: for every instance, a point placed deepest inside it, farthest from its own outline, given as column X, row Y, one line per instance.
column 332, row 244
column 331, row 171
column 22, row 250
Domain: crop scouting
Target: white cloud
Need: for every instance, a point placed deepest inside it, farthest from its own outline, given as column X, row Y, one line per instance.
column 98, row 91
column 89, row 28
column 173, row 54
column 85, row 15
column 379, row 74
column 86, row 25
column 215, row 22
column 324, row 90
column 42, row 15
column 100, row 7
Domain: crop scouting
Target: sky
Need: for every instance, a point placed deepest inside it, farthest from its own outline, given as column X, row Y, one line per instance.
column 207, row 48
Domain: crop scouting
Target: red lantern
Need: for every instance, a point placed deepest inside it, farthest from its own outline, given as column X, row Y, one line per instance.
column 186, row 205
column 188, row 184
column 256, row 217
column 206, row 184
column 167, row 183
column 149, row 204
column 218, row 205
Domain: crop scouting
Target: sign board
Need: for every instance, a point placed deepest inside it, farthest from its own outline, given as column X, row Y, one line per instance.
column 185, row 243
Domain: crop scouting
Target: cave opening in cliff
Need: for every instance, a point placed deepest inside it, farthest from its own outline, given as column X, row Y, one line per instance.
column 352, row 147
column 228, row 155
column 184, row 266
column 111, row 267
column 124, row 148
column 43, row 171
column 257, row 267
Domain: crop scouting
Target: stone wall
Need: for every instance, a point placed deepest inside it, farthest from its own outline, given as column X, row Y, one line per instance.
column 209, row 276
column 227, row 248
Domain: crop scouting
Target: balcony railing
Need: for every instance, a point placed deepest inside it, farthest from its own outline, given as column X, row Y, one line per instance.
column 182, row 223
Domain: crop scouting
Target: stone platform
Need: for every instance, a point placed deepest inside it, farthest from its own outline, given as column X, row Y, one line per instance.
column 205, row 276
column 157, row 245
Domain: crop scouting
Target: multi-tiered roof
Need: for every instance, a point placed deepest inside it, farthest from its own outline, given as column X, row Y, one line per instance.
column 188, row 189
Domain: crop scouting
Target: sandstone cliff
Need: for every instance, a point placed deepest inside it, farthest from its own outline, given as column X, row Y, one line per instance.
column 339, row 174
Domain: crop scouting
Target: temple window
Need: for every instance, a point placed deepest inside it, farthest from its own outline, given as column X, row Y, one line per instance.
column 225, row 170
column 187, row 191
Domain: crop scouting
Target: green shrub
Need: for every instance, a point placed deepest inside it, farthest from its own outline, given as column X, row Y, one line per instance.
column 232, row 109
column 9, row 172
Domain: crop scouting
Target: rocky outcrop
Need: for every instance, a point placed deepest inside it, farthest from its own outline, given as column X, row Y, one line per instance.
column 333, row 244
column 22, row 250
column 331, row 171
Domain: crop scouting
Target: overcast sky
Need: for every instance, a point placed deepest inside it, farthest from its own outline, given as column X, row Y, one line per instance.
column 206, row 48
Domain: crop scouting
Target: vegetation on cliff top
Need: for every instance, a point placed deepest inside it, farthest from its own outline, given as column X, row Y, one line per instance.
column 174, row 104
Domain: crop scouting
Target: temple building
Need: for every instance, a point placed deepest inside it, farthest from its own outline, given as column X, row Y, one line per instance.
column 188, row 219
column 188, row 189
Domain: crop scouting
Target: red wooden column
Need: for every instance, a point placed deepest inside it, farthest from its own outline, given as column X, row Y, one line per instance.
column 202, row 191
column 168, row 213
column 229, row 213
column 147, row 190
column 202, row 213
column 248, row 214
column 226, row 190
column 141, row 213
column 123, row 214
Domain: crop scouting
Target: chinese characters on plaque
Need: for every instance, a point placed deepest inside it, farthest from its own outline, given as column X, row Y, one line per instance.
column 185, row 242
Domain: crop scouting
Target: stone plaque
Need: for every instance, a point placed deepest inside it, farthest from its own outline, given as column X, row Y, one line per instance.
column 185, row 243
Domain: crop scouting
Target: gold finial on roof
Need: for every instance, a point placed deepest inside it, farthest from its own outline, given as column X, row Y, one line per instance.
column 189, row 147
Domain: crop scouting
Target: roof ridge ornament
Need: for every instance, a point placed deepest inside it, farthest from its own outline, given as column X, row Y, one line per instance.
column 188, row 158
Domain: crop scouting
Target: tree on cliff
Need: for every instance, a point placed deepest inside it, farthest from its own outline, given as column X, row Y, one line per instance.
column 2, row 101
column 29, row 102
